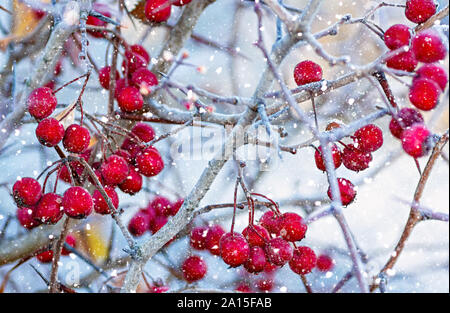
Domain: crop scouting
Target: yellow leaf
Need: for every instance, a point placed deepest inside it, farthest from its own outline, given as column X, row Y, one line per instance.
column 96, row 243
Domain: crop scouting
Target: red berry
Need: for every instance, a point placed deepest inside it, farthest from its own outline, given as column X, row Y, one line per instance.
column 144, row 132
column 64, row 173
column 132, row 148
column 256, row 235
column 428, row 46
column 347, row 189
column 130, row 99
column 94, row 21
column 435, row 72
column 77, row 202
column 120, row 84
column 424, row 94
column 307, row 72
column 355, row 159
column 419, row 11
column 114, row 170
column 405, row 118
column 49, row 209
column 132, row 62
column 292, row 227
column 25, row 217
column 158, row 10
column 49, row 132
column 213, row 236
column 265, row 284
column 194, row 268
column 139, row 223
column 324, row 263
column 103, row 76
column 415, row 140
column 45, row 257
column 403, row 61
column 303, row 260
column 149, row 162
column 100, row 204
column 71, row 241
column 243, row 287
column 143, row 79
column 234, row 249
column 138, row 49
column 27, row 191
column 180, row 3
column 162, row 205
column 76, row 139
column 278, row 251
column 41, row 102
column 198, row 238
column 269, row 268
column 133, row 183
column 176, row 206
column 270, row 221
column 320, row 162
column 397, row 36
column 124, row 154
column 369, row 138
column 256, row 260
column 158, row 222
column 158, row 289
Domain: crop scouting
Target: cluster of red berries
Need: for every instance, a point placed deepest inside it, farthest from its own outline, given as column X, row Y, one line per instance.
column 430, row 80
column 154, row 216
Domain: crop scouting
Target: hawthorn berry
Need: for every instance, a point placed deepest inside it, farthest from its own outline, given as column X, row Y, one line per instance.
column 194, row 268
column 76, row 138
column 140, row 50
column 114, row 170
column 27, row 191
column 94, row 21
column 256, row 260
column 49, row 210
column 100, row 204
column 143, row 79
column 428, row 46
column 435, row 72
column 158, row 10
column 278, row 251
column 243, row 287
column 256, row 235
column 403, row 61
column 143, row 131
column 45, row 257
column 158, row 222
column 49, row 132
column 419, row 11
column 303, row 261
column 77, row 202
column 307, row 72
column 369, row 138
column 198, row 238
column 347, row 189
column 76, row 168
column 162, row 205
column 354, row 159
column 424, row 94
column 124, row 154
column 213, row 236
column 41, row 102
column 270, row 221
column 405, row 118
column 265, row 284
column 149, row 162
column 104, row 75
column 415, row 140
column 120, row 84
column 130, row 99
column 132, row 62
column 71, row 241
column 292, row 227
column 132, row 183
column 397, row 36
column 324, row 263
column 139, row 223
column 25, row 217
column 234, row 249
column 320, row 162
